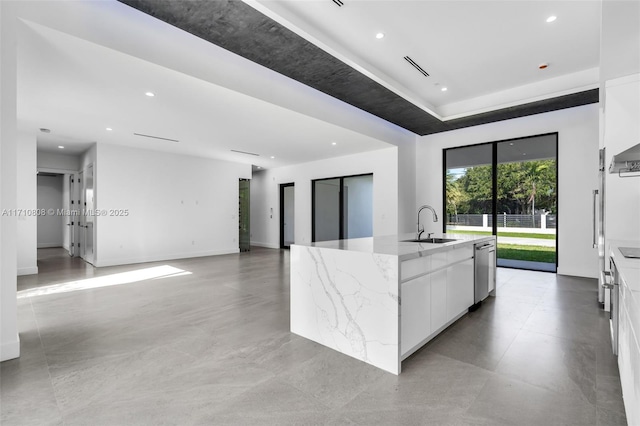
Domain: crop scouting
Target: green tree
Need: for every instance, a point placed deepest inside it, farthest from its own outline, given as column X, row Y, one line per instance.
column 472, row 193
column 455, row 195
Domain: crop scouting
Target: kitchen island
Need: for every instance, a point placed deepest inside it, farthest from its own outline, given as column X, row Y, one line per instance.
column 380, row 299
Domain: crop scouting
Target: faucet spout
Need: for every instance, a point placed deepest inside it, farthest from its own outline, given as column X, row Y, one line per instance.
column 435, row 219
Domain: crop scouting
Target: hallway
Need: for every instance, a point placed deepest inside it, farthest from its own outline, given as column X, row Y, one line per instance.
column 207, row 341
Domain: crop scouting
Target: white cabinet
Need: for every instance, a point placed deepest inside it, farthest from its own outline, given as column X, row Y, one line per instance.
column 459, row 288
column 415, row 318
column 438, row 300
column 629, row 354
column 435, row 289
column 492, row 272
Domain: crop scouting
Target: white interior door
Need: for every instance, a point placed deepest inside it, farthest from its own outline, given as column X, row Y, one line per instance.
column 89, row 205
column 81, row 215
column 70, row 218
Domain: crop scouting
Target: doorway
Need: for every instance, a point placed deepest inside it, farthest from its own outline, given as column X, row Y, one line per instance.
column 244, row 231
column 287, row 215
column 50, row 199
column 508, row 189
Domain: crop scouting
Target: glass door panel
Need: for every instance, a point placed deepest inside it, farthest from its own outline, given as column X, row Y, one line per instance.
column 357, row 206
column 469, row 190
column 527, row 203
column 326, row 205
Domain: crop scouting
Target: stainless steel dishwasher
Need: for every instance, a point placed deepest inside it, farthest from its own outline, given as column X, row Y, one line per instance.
column 482, row 261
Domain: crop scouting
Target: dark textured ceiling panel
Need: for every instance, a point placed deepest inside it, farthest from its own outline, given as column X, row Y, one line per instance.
column 237, row 27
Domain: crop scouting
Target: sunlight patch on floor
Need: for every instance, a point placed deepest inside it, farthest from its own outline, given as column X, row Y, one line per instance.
column 156, row 272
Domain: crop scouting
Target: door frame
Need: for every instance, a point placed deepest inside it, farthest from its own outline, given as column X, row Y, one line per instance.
column 494, row 178
column 341, row 211
column 282, row 187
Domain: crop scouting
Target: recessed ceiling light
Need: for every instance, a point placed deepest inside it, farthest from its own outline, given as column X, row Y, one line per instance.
column 109, row 129
column 379, row 36
column 334, row 143
column 552, row 18
column 444, row 89
column 60, row 146
column 150, row 94
column 511, row 144
column 272, row 157
column 524, row 153
column 259, row 167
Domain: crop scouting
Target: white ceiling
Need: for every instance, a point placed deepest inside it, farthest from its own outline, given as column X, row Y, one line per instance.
column 48, row 142
column 77, row 88
column 485, row 52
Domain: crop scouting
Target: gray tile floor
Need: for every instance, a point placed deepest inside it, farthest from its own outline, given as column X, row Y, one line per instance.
column 208, row 343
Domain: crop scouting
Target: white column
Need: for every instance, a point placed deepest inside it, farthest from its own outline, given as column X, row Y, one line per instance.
column 27, row 226
column 9, row 340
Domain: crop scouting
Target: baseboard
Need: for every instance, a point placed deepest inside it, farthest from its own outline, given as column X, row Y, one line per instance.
column 265, row 245
column 580, row 274
column 161, row 258
column 10, row 350
column 49, row 245
column 32, row 270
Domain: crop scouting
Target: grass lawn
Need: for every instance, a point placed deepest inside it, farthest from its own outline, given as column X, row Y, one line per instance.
column 508, row 234
column 530, row 253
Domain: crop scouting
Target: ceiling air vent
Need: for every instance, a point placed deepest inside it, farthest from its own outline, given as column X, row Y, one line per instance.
column 156, row 137
column 416, row 66
column 338, row 2
column 245, row 152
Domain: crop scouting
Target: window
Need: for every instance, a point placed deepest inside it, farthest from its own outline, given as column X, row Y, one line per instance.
column 342, row 208
column 509, row 189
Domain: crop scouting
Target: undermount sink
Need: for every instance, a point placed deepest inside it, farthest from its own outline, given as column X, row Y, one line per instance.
column 431, row 240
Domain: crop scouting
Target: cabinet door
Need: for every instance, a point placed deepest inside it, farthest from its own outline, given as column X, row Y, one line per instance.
column 459, row 288
column 438, row 299
column 415, row 323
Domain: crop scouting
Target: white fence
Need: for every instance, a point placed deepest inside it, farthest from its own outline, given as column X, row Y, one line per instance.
column 540, row 223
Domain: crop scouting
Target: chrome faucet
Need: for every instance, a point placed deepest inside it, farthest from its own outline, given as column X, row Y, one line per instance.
column 435, row 219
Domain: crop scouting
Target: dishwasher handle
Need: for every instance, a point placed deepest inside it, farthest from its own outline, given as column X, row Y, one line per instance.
column 484, row 247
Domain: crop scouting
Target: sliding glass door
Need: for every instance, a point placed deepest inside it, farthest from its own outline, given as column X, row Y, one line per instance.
column 342, row 208
column 509, row 189
column 527, row 203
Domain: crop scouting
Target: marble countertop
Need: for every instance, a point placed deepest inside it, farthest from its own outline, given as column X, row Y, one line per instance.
column 395, row 245
column 629, row 270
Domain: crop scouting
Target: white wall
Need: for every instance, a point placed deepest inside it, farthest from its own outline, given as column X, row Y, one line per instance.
column 577, row 175
column 407, row 205
column 265, row 203
column 622, row 131
column 178, row 206
column 619, row 40
column 54, row 162
column 27, row 199
column 9, row 339
column 50, row 226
